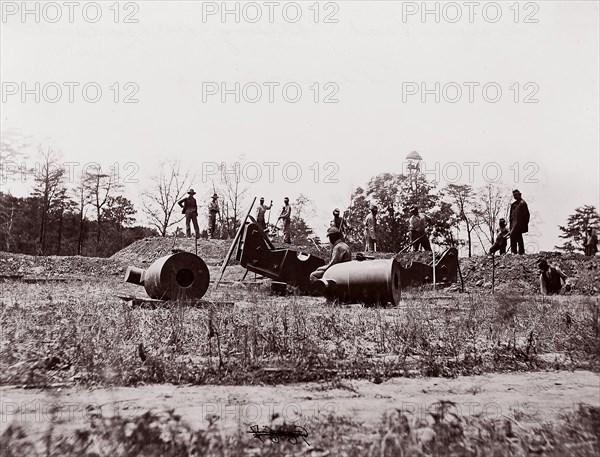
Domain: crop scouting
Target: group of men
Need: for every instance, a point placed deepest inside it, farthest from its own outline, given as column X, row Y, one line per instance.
column 285, row 215
column 519, row 224
column 190, row 210
column 189, row 207
column 552, row 279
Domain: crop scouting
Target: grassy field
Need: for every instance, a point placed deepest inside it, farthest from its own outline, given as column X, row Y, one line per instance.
column 79, row 333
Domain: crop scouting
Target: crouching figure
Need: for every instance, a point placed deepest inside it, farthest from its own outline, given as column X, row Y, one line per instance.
column 552, row 279
column 340, row 252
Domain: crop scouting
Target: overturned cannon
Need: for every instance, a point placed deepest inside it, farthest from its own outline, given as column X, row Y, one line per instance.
column 380, row 281
column 368, row 281
column 177, row 276
column 256, row 253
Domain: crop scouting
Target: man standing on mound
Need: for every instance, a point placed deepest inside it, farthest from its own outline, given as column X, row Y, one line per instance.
column 190, row 209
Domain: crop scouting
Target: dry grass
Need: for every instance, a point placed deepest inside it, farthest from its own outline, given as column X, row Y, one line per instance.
column 78, row 332
column 442, row 433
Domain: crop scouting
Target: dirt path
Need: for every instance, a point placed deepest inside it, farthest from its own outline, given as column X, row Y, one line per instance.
column 528, row 398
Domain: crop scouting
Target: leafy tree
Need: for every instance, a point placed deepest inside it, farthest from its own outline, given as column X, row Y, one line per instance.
column 574, row 232
column 119, row 213
column 301, row 208
column 394, row 195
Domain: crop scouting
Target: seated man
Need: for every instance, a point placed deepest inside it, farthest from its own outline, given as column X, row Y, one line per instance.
column 551, row 279
column 340, row 252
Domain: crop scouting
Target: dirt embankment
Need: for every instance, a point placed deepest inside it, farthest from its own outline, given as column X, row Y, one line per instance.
column 511, row 272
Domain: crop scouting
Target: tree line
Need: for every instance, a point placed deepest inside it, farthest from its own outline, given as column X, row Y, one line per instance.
column 91, row 217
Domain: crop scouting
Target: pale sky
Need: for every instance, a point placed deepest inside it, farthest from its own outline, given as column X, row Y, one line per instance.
column 375, row 61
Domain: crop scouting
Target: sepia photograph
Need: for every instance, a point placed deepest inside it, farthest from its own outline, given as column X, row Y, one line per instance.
column 350, row 228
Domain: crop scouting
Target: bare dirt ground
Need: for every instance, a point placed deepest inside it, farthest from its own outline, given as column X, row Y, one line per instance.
column 530, row 399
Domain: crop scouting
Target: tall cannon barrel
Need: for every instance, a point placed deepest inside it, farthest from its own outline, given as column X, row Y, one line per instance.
column 369, row 281
column 177, row 276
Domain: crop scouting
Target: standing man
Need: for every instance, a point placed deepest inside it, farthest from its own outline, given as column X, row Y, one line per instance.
column 501, row 235
column 260, row 213
column 213, row 210
column 371, row 230
column 338, row 222
column 417, row 235
column 190, row 209
column 590, row 244
column 519, row 223
column 551, row 279
column 286, row 217
column 340, row 252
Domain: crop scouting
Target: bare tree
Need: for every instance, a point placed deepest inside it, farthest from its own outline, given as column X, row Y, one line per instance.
column 463, row 195
column 82, row 199
column 12, row 145
column 160, row 200
column 49, row 178
column 99, row 185
column 492, row 203
column 234, row 190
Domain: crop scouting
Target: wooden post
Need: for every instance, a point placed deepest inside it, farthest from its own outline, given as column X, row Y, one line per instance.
column 234, row 244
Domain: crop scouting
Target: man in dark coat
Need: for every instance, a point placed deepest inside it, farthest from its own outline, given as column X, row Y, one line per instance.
column 590, row 244
column 338, row 222
column 519, row 223
column 501, row 235
column 213, row 210
column 552, row 279
column 190, row 209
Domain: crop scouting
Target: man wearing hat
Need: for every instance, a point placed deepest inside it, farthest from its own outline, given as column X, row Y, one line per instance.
column 340, row 252
column 213, row 210
column 416, row 231
column 338, row 222
column 501, row 235
column 590, row 242
column 519, row 223
column 190, row 209
column 286, row 217
column 260, row 213
column 551, row 279
column 371, row 230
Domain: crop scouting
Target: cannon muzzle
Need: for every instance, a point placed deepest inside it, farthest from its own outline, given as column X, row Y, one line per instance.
column 177, row 276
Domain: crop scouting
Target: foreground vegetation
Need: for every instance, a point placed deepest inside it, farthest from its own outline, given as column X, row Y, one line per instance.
column 80, row 333
column 443, row 433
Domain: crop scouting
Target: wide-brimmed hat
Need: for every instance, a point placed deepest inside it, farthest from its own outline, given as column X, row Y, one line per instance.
column 332, row 231
column 516, row 191
column 215, row 196
column 191, row 192
column 336, row 211
column 286, row 199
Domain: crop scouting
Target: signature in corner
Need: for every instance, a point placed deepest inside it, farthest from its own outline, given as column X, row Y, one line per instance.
column 292, row 433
